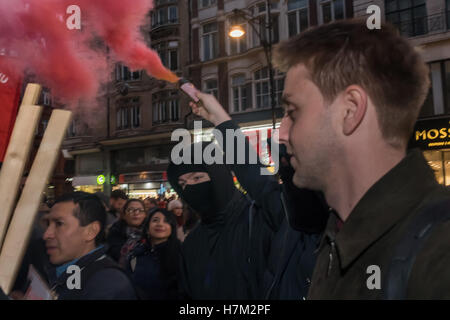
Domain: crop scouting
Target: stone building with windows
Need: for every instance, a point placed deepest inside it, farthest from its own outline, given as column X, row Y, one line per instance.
column 124, row 141
column 426, row 23
column 236, row 70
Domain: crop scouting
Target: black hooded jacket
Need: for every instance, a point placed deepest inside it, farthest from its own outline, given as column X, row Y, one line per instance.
column 297, row 218
column 221, row 258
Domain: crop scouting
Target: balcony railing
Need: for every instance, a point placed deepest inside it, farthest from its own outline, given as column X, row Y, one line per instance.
column 164, row 23
column 436, row 23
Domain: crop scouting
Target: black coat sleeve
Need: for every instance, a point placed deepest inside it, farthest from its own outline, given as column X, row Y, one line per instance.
column 110, row 284
column 184, row 292
column 263, row 189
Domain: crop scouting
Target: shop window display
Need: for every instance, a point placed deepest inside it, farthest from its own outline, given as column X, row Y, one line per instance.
column 439, row 161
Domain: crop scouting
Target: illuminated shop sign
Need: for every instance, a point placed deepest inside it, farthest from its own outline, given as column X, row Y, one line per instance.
column 101, row 179
column 141, row 177
column 257, row 135
column 431, row 134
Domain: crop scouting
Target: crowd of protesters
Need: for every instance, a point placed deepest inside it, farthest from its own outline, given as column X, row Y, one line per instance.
column 349, row 195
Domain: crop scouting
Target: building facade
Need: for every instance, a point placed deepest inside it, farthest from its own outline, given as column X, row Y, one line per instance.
column 124, row 140
column 426, row 23
column 236, row 71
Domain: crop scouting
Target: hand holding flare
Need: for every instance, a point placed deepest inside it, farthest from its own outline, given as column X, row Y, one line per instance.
column 209, row 109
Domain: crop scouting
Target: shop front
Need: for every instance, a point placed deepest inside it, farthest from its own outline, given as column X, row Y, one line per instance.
column 90, row 172
column 92, row 184
column 145, row 184
column 87, row 184
column 433, row 137
column 258, row 136
column 141, row 171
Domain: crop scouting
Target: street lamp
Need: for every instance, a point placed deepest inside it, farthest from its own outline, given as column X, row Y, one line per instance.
column 236, row 31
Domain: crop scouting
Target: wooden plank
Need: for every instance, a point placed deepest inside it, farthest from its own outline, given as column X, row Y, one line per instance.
column 17, row 153
column 31, row 95
column 19, row 231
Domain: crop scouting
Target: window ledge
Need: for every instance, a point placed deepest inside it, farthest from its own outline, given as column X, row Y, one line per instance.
column 155, row 28
column 127, row 81
column 208, row 7
column 253, row 110
column 166, row 123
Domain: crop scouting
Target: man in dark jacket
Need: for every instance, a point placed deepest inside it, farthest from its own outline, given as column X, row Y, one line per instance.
column 73, row 239
column 221, row 259
column 292, row 251
column 352, row 96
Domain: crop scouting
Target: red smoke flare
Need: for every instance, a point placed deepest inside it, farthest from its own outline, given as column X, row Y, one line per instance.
column 65, row 60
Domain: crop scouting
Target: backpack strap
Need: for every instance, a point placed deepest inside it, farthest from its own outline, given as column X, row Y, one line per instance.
column 405, row 253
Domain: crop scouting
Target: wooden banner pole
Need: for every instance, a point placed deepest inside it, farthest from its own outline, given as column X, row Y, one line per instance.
column 17, row 153
column 19, row 231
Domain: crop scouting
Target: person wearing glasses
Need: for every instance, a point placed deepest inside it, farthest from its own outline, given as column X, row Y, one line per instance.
column 124, row 234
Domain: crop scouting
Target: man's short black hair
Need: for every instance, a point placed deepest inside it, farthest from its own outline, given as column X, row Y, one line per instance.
column 89, row 208
column 119, row 194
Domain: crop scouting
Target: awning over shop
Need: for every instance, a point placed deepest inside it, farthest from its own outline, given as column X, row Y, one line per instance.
column 84, row 181
column 143, row 177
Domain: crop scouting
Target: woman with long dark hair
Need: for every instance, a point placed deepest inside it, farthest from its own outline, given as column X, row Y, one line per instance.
column 153, row 263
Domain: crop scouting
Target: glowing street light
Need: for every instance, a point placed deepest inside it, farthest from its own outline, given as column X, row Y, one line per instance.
column 236, row 32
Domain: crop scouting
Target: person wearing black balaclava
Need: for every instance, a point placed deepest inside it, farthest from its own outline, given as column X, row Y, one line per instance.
column 220, row 259
column 296, row 216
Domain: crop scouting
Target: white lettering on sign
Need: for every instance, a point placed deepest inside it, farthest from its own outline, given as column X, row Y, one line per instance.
column 3, row 78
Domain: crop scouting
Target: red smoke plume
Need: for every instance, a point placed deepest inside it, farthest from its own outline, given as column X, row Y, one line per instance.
column 66, row 60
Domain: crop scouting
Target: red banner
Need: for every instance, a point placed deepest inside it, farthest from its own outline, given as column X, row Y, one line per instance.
column 10, row 84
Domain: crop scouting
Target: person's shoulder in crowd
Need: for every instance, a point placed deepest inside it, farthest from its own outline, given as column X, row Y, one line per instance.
column 118, row 227
column 110, row 284
column 429, row 275
column 195, row 233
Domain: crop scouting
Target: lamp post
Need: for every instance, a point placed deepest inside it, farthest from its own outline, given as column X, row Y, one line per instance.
column 237, row 31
